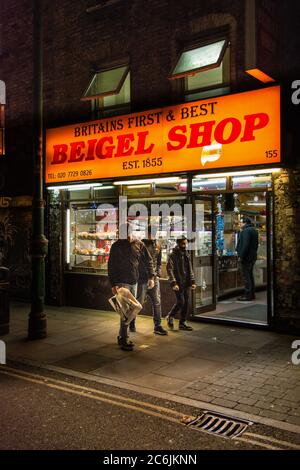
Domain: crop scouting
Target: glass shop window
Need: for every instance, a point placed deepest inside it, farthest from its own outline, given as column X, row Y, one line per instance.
column 109, row 92
column 156, row 187
column 209, row 184
column 175, row 187
column 252, row 181
column 164, row 218
column 92, row 228
column 205, row 70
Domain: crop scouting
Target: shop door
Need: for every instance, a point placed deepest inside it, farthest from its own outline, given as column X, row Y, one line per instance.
column 204, row 299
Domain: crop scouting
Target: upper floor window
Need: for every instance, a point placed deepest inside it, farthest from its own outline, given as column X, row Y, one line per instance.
column 109, row 92
column 205, row 70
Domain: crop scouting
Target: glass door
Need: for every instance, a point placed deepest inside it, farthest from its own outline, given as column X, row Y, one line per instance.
column 204, row 255
column 270, row 257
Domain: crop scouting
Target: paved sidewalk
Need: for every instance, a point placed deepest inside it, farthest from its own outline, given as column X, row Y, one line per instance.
column 237, row 368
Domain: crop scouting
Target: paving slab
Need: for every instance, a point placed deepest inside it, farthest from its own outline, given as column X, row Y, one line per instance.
column 190, row 368
column 219, row 352
column 128, row 368
column 165, row 352
column 244, row 340
column 160, row 382
column 84, row 362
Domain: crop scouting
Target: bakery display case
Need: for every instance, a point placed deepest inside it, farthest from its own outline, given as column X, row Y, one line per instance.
column 91, row 232
column 91, row 235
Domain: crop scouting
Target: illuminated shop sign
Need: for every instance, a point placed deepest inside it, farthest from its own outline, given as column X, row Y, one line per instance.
column 233, row 130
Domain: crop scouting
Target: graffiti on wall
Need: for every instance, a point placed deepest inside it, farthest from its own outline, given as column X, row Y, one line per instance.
column 7, row 233
column 15, row 235
column 53, row 260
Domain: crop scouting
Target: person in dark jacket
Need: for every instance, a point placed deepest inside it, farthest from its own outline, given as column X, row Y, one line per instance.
column 247, row 252
column 154, row 250
column 123, row 271
column 181, row 276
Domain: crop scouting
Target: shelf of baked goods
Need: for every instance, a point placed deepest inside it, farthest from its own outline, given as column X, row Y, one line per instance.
column 85, row 224
column 96, row 235
column 90, row 252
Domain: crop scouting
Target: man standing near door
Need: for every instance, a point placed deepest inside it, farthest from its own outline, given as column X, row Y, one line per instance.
column 246, row 248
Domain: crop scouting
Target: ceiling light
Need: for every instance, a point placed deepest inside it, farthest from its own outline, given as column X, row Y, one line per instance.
column 174, row 179
column 256, row 203
column 240, row 173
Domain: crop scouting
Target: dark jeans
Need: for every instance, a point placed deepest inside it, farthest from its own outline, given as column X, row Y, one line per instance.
column 247, row 272
column 182, row 304
column 123, row 333
column 154, row 295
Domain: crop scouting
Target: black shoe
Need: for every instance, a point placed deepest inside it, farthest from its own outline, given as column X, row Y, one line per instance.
column 132, row 327
column 159, row 330
column 170, row 322
column 244, row 298
column 184, row 326
column 125, row 344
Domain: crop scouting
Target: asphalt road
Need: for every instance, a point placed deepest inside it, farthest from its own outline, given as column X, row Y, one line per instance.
column 42, row 410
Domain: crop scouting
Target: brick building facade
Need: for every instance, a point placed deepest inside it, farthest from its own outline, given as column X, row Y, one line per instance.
column 81, row 37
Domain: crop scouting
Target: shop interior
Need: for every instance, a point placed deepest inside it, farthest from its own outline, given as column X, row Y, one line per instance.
column 219, row 200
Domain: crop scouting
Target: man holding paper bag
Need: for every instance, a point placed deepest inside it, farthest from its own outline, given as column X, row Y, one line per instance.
column 123, row 272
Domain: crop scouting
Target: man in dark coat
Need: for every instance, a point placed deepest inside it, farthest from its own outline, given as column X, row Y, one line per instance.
column 247, row 252
column 123, row 271
column 181, row 276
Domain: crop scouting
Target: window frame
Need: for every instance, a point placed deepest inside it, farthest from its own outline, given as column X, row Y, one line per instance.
column 197, row 45
column 110, row 93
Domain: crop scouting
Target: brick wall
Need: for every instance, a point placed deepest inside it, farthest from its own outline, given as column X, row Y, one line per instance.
column 287, row 250
column 17, row 71
column 147, row 34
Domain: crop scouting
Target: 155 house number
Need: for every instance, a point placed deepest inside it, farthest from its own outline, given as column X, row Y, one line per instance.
column 271, row 153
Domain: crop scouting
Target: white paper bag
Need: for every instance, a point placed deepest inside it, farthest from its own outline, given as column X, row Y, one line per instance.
column 125, row 304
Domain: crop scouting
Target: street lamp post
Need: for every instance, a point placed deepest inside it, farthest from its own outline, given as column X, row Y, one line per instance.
column 37, row 325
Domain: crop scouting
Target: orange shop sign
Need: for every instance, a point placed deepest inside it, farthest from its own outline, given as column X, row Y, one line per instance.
column 233, row 130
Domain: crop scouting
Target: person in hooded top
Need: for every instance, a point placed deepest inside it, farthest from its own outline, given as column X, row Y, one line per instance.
column 182, row 279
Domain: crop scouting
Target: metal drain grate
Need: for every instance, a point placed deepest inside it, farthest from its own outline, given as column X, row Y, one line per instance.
column 221, row 425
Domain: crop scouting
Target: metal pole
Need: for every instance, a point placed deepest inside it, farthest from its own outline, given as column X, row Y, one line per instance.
column 37, row 325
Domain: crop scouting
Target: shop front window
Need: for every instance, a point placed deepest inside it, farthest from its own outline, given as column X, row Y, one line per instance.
column 92, row 231
column 209, row 184
column 176, row 187
column 251, row 182
column 154, row 187
column 163, row 219
column 154, row 208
